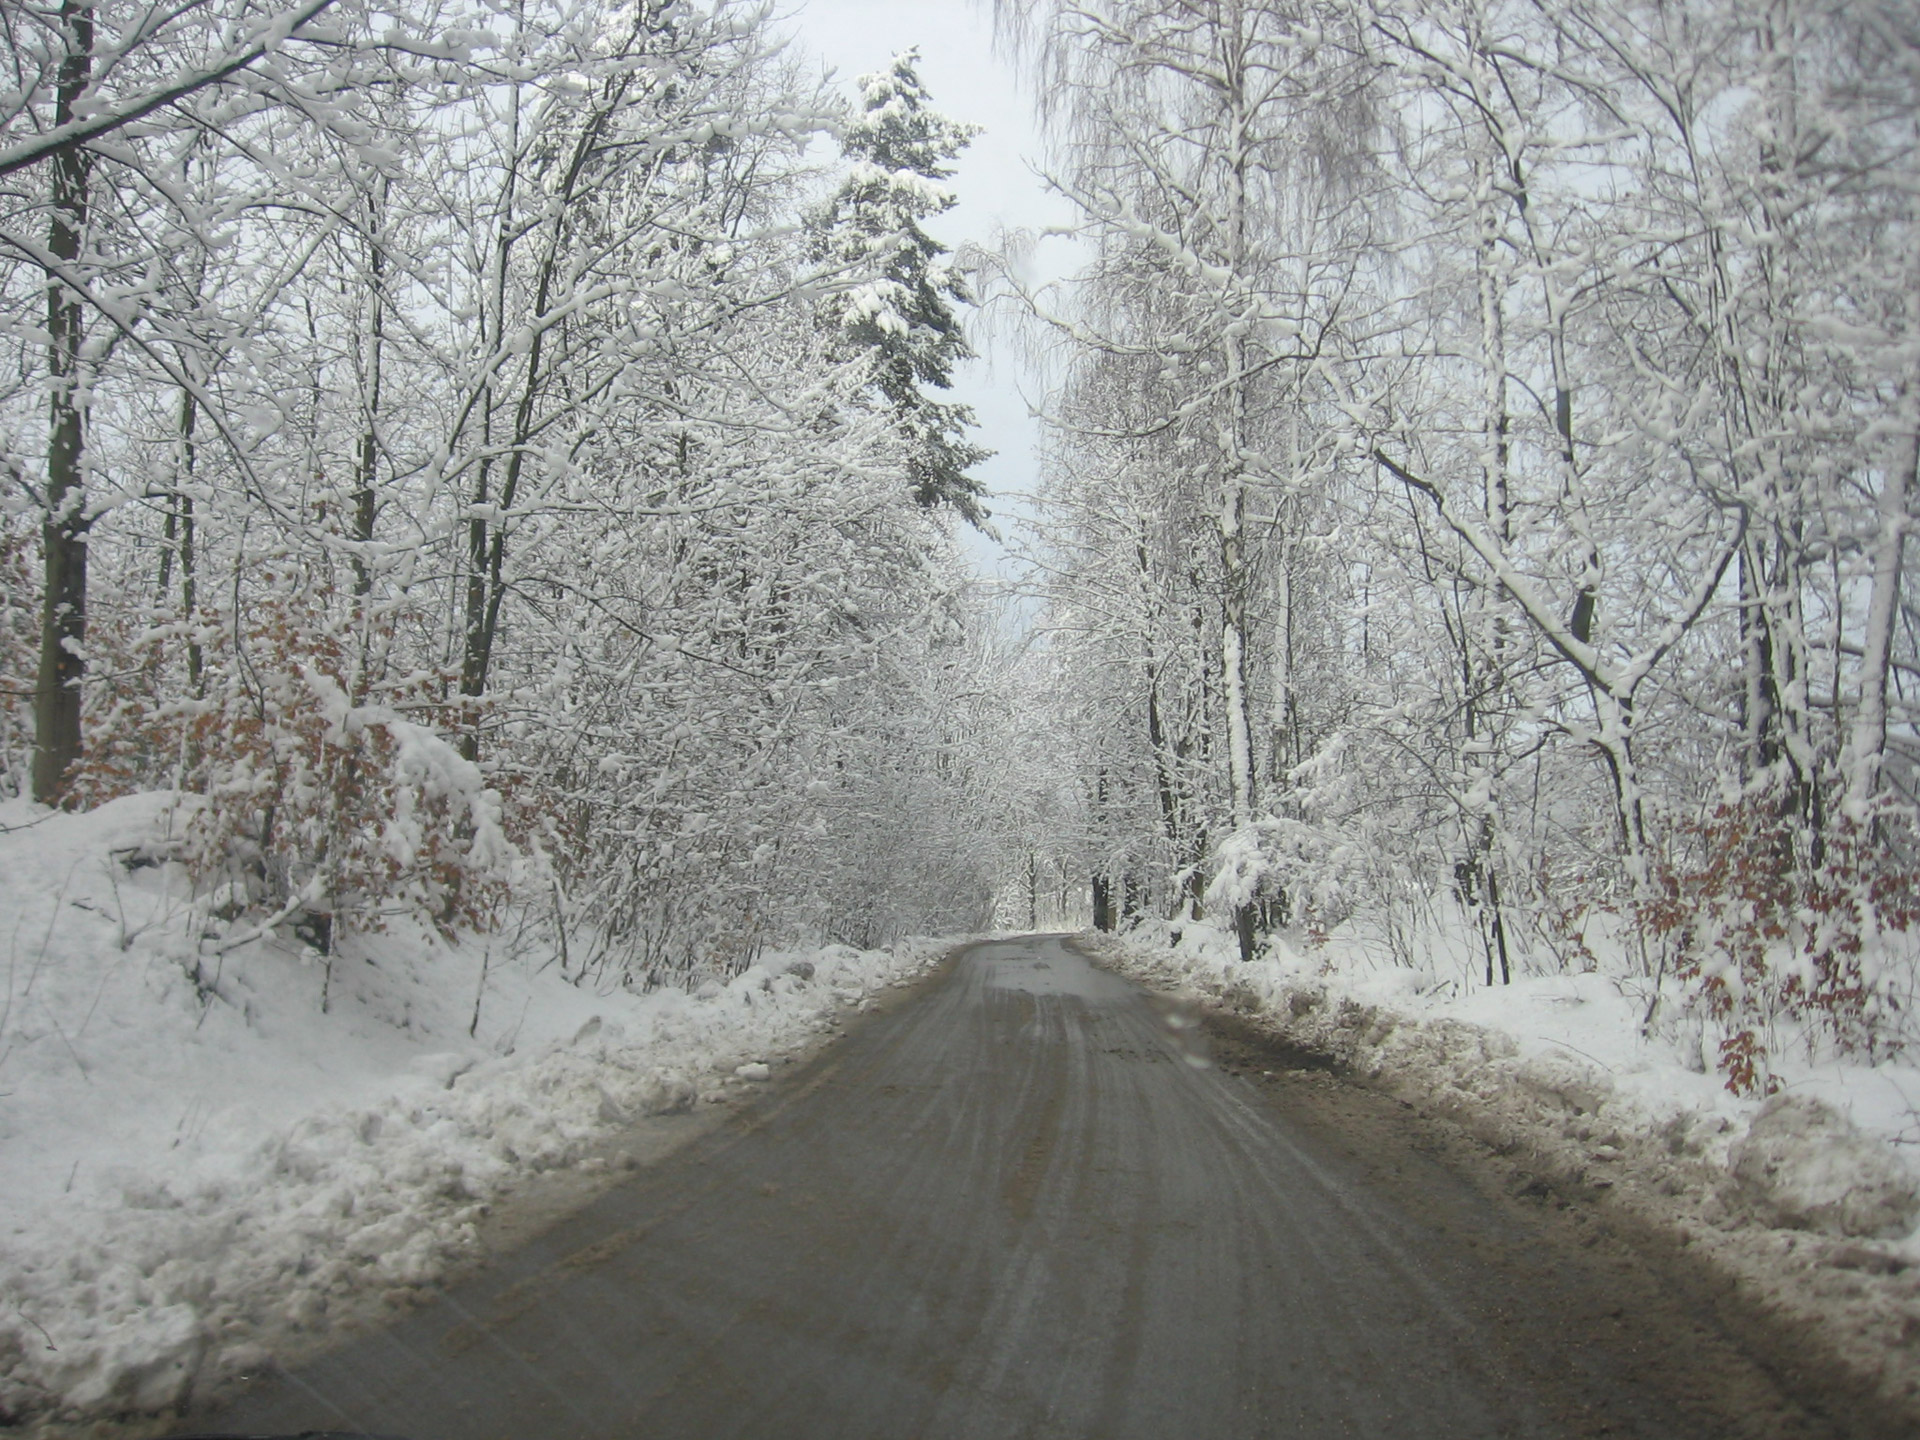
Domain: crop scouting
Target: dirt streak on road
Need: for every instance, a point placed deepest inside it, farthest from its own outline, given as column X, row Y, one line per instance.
column 1028, row 1204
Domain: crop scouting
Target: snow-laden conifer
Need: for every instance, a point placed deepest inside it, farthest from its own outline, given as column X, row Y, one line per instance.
column 897, row 310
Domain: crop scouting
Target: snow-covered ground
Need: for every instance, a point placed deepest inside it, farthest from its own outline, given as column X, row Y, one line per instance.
column 197, row 1164
column 1809, row 1200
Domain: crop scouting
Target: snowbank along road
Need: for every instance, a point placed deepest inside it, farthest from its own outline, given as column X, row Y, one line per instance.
column 1035, row 1201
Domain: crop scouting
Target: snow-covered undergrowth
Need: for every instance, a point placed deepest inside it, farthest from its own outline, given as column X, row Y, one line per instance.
column 197, row 1163
column 1809, row 1199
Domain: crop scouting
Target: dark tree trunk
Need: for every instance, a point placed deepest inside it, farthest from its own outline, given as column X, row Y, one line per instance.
column 63, row 616
column 366, row 507
column 1102, row 903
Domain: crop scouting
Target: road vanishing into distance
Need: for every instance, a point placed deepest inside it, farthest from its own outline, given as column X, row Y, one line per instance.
column 1033, row 1200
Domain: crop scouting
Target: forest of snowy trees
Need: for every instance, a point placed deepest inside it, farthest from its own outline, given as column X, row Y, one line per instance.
column 1483, row 452
column 491, row 453
column 498, row 455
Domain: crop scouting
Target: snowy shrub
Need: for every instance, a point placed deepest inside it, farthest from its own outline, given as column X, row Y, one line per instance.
column 1310, row 877
column 1768, row 937
column 335, row 812
column 1564, row 908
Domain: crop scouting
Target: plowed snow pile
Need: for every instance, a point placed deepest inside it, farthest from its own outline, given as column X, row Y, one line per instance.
column 1808, row 1199
column 194, row 1158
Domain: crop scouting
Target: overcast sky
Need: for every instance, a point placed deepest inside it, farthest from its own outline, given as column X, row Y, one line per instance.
column 994, row 179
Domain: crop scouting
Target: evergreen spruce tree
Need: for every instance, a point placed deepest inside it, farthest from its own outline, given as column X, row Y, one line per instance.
column 901, row 318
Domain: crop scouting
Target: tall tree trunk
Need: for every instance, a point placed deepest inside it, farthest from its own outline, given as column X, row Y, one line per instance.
column 1233, row 501
column 63, row 618
column 366, row 494
column 179, row 535
column 1759, row 737
column 1233, row 656
column 486, row 552
column 1483, row 641
column 1102, row 903
column 473, row 678
column 1163, row 777
column 1283, row 738
column 367, row 468
column 1867, row 740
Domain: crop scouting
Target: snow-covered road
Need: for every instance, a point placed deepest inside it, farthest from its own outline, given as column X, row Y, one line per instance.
column 1034, row 1200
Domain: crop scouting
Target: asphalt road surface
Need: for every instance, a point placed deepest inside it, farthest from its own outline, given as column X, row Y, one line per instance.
column 1035, row 1201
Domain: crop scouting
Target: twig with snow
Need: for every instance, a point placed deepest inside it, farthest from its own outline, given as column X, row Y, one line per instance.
column 78, row 1063
column 21, row 1312
column 46, row 940
column 261, row 931
column 1548, row 1039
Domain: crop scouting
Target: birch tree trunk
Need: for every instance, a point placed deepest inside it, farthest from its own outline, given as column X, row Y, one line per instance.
column 1867, row 739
